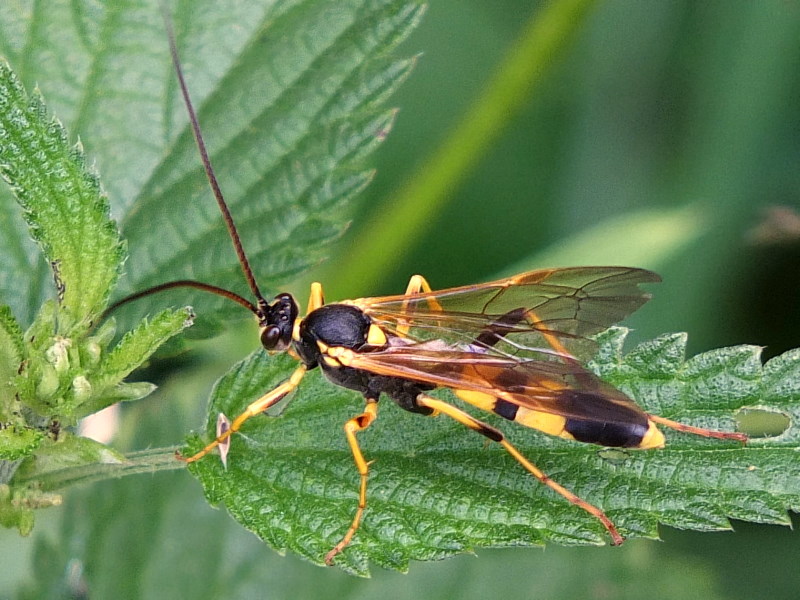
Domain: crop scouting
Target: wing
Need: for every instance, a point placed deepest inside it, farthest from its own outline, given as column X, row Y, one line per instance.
column 546, row 311
column 562, row 388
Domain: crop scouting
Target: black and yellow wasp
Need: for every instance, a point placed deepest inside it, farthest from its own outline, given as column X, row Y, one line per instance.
column 512, row 347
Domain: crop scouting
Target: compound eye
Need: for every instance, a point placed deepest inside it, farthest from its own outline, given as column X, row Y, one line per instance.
column 270, row 337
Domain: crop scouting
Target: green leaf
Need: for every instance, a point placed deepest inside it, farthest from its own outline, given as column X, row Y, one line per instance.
column 17, row 442
column 66, row 210
column 11, row 355
column 436, row 490
column 290, row 108
column 176, row 546
column 61, row 368
column 136, row 346
column 288, row 127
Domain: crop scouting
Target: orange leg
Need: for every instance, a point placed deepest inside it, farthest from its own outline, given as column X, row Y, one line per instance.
column 496, row 436
column 551, row 338
column 417, row 284
column 316, row 300
column 351, row 428
column 252, row 410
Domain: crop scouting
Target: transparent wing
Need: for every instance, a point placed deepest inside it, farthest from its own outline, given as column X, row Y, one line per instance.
column 549, row 311
column 562, row 388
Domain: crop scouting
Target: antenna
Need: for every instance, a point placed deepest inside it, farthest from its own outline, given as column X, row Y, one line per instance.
column 260, row 309
column 206, row 287
column 212, row 179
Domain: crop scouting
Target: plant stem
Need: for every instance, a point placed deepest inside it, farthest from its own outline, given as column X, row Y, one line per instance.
column 144, row 461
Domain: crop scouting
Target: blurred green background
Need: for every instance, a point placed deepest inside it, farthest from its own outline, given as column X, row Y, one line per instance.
column 662, row 137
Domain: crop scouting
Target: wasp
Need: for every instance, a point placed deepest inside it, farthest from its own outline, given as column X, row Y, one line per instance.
column 514, row 347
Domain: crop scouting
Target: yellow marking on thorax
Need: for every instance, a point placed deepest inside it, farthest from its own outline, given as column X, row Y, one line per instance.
column 376, row 336
column 331, row 362
column 330, row 356
column 653, row 438
column 296, row 330
column 344, row 356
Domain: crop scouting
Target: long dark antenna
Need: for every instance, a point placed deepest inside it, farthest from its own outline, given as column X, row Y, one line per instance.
column 212, row 179
column 199, row 285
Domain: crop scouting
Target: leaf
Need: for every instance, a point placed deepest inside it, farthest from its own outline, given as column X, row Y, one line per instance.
column 130, row 353
column 17, row 442
column 435, row 490
column 11, row 355
column 289, row 97
column 60, row 369
column 288, row 127
column 291, row 112
column 176, row 546
column 63, row 203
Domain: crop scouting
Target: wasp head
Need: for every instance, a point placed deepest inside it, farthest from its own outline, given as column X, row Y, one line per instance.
column 276, row 322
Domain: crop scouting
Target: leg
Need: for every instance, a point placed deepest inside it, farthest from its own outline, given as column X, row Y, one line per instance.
column 550, row 337
column 351, row 428
column 316, row 299
column 505, row 324
column 252, row 410
column 417, row 284
column 496, row 436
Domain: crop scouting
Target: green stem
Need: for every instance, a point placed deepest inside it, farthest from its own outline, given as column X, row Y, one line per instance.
column 413, row 208
column 144, row 461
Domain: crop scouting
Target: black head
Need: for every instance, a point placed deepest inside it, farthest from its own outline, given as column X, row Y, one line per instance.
column 276, row 321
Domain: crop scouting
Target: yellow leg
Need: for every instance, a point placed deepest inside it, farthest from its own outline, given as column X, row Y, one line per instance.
column 497, row 436
column 252, row 410
column 351, row 428
column 316, row 299
column 416, row 284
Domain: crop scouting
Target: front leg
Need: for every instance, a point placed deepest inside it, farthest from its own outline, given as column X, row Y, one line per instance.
column 256, row 408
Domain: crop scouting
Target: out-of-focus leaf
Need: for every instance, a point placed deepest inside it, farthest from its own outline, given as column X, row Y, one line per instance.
column 288, row 126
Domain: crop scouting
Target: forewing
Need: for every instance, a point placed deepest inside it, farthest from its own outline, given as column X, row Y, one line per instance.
column 535, row 313
column 547, row 386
